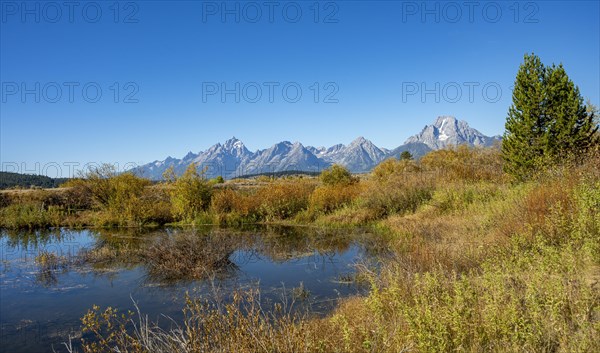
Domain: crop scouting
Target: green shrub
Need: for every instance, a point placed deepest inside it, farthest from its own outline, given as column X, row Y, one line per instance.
column 457, row 197
column 398, row 194
column 465, row 163
column 390, row 167
column 337, row 175
column 18, row 216
column 190, row 193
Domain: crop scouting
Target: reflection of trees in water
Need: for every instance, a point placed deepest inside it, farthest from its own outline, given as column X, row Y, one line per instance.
column 31, row 239
column 174, row 254
column 46, row 278
column 49, row 265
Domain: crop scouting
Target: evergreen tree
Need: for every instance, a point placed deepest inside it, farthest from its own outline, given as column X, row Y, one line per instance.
column 522, row 145
column 406, row 156
column 547, row 121
column 571, row 128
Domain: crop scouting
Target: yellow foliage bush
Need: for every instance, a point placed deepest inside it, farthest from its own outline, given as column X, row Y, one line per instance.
column 328, row 198
column 282, row 199
column 465, row 163
column 391, row 166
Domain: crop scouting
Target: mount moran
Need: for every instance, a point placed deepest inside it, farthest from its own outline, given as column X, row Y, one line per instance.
column 232, row 159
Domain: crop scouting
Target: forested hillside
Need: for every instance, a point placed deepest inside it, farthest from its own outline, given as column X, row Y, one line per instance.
column 15, row 180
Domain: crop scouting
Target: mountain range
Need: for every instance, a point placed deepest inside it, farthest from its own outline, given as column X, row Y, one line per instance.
column 232, row 159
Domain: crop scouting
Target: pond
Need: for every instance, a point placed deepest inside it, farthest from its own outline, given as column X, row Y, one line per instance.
column 48, row 280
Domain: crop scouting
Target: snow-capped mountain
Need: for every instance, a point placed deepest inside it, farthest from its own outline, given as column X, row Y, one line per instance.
column 449, row 131
column 220, row 159
column 361, row 155
column 284, row 156
column 232, row 159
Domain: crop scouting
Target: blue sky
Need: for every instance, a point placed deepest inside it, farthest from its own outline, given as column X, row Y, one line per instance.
column 156, row 63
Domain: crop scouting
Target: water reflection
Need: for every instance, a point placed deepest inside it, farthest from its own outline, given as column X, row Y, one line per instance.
column 50, row 279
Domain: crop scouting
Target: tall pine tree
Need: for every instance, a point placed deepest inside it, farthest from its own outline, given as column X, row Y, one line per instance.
column 571, row 128
column 547, row 122
column 522, row 144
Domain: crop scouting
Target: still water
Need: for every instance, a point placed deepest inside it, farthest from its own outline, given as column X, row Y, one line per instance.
column 41, row 306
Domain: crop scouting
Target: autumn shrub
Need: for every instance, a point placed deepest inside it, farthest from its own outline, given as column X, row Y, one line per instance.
column 226, row 200
column 392, row 166
column 283, row 199
column 234, row 207
column 155, row 206
column 465, row 163
column 5, row 199
column 402, row 193
column 77, row 198
column 337, row 175
column 328, row 198
column 117, row 199
column 190, row 193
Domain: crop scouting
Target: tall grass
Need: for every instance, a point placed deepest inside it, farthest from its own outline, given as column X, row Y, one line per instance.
column 479, row 265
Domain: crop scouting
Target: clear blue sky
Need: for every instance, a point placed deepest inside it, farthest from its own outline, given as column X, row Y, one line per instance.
column 167, row 55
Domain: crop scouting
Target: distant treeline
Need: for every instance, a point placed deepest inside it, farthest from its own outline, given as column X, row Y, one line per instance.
column 280, row 174
column 15, row 180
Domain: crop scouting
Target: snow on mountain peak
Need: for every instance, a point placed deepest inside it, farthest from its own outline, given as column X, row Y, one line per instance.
column 449, row 131
column 233, row 143
column 443, row 120
column 232, row 158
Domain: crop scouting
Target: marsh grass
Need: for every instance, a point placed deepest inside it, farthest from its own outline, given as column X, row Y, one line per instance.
column 180, row 255
column 239, row 324
column 189, row 256
column 479, row 264
column 49, row 265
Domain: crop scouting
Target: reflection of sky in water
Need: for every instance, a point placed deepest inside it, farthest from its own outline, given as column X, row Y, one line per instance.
column 37, row 312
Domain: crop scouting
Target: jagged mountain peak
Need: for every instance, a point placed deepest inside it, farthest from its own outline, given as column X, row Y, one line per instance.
column 189, row 155
column 445, row 119
column 283, row 145
column 449, row 131
column 359, row 141
column 234, row 143
column 214, row 147
column 360, row 155
column 232, row 158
